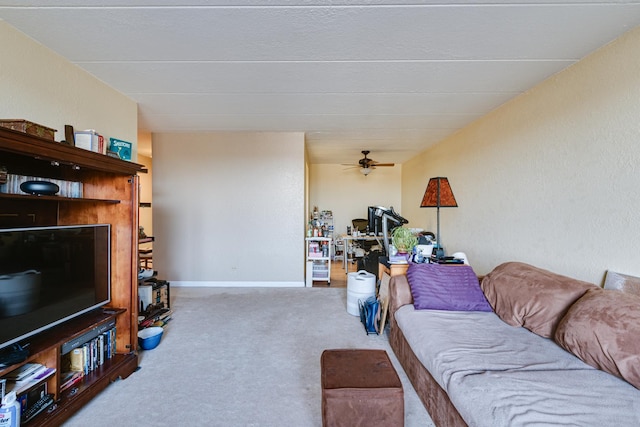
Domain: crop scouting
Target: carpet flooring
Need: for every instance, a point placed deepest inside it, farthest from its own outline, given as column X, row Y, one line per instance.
column 240, row 357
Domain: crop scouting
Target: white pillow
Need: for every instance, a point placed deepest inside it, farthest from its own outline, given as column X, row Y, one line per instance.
column 622, row 282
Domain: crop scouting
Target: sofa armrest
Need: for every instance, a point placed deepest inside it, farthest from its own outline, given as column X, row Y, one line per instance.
column 399, row 293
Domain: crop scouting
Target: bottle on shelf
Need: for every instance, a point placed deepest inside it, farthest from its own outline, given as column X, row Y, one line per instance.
column 10, row 410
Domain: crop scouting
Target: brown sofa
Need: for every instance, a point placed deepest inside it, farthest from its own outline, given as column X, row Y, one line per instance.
column 587, row 335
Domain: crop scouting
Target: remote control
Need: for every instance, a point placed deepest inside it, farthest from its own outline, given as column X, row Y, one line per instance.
column 37, row 407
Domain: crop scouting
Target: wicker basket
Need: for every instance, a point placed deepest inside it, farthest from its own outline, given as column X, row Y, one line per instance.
column 29, row 127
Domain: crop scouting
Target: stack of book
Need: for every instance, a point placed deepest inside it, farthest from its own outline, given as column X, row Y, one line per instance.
column 27, row 376
column 87, row 357
column 90, row 140
column 70, row 189
column 70, row 378
column 398, row 259
column 156, row 317
column 92, row 354
column 29, row 383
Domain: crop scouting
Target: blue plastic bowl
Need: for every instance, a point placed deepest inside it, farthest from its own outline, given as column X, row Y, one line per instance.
column 149, row 338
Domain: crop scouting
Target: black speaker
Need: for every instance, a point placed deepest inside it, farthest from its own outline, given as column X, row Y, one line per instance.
column 40, row 188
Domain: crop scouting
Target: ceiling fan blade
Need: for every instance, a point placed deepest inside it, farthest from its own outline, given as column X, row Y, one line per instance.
column 383, row 164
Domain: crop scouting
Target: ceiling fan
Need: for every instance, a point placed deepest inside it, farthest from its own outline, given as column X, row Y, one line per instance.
column 366, row 164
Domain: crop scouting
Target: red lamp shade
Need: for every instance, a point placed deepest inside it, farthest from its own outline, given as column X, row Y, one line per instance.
column 438, row 194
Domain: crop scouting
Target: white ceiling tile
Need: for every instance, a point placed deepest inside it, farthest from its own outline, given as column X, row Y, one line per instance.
column 326, row 33
column 392, row 76
column 322, row 77
column 323, row 104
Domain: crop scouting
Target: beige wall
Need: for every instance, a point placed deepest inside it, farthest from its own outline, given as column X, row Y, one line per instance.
column 146, row 184
column 40, row 86
column 348, row 193
column 146, row 214
column 228, row 208
column 552, row 178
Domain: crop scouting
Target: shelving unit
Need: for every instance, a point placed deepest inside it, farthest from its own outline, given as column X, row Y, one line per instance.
column 46, row 349
column 156, row 293
column 319, row 258
column 145, row 255
column 110, row 196
column 324, row 221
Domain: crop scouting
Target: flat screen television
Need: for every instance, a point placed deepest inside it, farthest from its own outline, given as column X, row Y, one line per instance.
column 49, row 275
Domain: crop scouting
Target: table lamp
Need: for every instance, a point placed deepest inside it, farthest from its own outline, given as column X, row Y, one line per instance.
column 438, row 195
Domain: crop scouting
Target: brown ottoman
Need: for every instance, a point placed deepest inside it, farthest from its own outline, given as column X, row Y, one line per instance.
column 360, row 388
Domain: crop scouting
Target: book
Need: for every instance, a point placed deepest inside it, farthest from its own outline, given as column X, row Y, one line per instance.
column 100, row 350
column 87, row 140
column 85, row 358
column 102, row 145
column 32, row 375
column 121, row 148
column 71, row 378
column 34, row 379
column 77, row 359
column 398, row 259
column 23, row 371
column 113, row 342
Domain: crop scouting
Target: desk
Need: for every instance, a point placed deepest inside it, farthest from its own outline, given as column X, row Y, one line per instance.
column 400, row 269
column 392, row 269
column 345, row 244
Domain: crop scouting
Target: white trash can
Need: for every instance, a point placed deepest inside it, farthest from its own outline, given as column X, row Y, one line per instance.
column 360, row 286
column 309, row 276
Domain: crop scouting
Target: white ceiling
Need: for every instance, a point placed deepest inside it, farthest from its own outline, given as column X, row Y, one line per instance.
column 390, row 76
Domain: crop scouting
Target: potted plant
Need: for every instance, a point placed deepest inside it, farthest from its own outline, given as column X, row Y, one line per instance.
column 403, row 239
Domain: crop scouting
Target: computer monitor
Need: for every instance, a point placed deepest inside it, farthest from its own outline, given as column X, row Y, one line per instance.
column 375, row 222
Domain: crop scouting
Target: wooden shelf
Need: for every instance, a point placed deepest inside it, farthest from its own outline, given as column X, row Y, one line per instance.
column 111, row 189
column 41, row 343
column 56, row 198
column 50, row 151
column 45, row 348
column 72, row 399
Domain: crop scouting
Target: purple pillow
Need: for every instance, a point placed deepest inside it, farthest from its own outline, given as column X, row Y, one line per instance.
column 446, row 287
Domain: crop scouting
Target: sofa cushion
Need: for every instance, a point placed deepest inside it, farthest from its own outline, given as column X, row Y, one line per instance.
column 446, row 287
column 603, row 328
column 498, row 375
column 524, row 295
column 399, row 293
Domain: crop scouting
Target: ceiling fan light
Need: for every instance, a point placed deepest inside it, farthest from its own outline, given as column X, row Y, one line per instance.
column 365, row 171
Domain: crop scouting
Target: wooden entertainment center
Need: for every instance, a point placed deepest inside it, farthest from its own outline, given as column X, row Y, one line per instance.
column 110, row 196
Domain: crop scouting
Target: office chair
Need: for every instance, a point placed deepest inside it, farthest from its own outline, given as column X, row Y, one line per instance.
column 360, row 224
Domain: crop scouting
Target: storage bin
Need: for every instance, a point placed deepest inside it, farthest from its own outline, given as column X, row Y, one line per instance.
column 360, row 286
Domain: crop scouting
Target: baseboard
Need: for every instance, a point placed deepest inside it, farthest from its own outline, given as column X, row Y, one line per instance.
column 209, row 284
